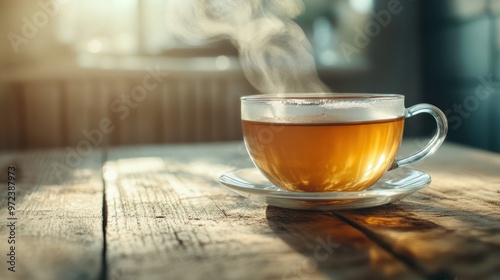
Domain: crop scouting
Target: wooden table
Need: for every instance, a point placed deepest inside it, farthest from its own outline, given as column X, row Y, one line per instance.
column 159, row 212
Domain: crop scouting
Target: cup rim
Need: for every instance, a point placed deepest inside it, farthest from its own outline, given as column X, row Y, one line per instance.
column 320, row 96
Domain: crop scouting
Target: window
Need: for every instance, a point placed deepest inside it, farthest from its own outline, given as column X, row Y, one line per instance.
column 124, row 27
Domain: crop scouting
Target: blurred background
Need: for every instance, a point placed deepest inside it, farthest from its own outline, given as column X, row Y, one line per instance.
column 110, row 72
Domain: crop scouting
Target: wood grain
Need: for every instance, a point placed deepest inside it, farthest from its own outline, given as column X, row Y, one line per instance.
column 169, row 218
column 59, row 216
column 451, row 229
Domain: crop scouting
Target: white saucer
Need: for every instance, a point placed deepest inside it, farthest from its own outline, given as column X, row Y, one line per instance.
column 394, row 185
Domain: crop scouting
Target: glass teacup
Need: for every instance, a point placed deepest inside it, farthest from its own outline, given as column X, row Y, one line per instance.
column 330, row 142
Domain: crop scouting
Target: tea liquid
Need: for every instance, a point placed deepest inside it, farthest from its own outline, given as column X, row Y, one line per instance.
column 323, row 157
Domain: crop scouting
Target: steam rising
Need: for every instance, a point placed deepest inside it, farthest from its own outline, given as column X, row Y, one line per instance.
column 274, row 51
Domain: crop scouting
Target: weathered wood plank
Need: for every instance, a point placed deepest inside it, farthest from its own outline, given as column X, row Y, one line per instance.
column 451, row 229
column 58, row 226
column 169, row 218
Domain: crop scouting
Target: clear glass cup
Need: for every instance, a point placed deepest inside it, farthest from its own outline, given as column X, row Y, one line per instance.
column 330, row 142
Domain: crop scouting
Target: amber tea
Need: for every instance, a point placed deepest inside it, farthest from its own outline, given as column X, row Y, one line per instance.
column 324, row 156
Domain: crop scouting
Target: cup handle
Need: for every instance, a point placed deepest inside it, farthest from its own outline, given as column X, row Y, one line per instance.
column 437, row 139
